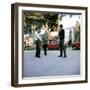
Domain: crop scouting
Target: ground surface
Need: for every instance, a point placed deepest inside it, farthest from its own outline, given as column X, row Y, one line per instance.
column 51, row 65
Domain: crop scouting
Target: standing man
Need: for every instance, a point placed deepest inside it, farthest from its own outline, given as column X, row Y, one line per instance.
column 77, row 32
column 61, row 41
column 38, row 41
column 45, row 39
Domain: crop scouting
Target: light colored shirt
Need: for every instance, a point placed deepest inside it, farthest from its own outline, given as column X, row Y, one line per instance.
column 37, row 36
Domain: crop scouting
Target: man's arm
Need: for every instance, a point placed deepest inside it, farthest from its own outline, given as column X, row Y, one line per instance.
column 63, row 33
column 38, row 36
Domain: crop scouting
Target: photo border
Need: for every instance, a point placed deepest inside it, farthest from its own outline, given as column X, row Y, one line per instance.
column 15, row 48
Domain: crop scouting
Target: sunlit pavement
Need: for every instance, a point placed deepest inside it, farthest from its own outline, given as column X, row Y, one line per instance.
column 51, row 65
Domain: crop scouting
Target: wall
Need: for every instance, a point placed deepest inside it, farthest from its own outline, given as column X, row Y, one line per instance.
column 5, row 45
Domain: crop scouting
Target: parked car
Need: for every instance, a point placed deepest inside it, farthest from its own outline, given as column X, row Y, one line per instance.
column 76, row 45
column 55, row 46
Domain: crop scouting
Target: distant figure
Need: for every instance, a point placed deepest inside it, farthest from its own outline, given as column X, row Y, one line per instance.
column 61, row 41
column 70, row 38
column 38, row 41
column 77, row 32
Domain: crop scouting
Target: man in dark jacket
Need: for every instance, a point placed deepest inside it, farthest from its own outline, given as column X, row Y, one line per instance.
column 61, row 41
column 45, row 42
column 45, row 38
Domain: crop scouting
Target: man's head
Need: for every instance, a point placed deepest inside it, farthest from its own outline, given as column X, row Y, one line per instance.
column 42, row 26
column 61, row 26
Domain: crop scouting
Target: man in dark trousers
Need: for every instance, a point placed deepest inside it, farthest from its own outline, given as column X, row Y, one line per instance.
column 45, row 42
column 61, row 41
column 38, row 41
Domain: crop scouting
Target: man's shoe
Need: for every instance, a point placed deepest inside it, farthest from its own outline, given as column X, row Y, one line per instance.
column 65, row 56
column 45, row 54
column 60, row 56
column 38, row 57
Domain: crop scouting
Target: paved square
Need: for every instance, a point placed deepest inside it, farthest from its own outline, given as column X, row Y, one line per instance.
column 51, row 65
